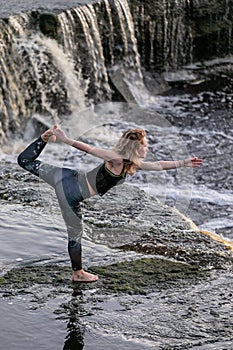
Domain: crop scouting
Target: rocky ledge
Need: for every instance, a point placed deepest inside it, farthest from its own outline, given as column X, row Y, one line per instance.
column 173, row 292
column 128, row 219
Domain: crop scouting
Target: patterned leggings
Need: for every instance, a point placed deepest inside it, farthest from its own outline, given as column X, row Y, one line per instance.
column 65, row 183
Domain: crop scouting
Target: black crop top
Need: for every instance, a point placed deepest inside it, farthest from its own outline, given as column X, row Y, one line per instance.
column 101, row 179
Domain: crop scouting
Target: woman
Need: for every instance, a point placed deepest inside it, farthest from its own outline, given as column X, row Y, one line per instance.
column 72, row 187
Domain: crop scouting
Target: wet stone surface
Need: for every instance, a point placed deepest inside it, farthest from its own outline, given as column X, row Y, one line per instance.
column 203, row 114
column 113, row 278
column 178, row 297
column 149, row 227
column 124, row 218
column 166, row 304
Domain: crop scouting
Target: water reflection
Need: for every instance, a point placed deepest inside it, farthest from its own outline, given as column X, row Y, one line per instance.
column 75, row 327
column 74, row 339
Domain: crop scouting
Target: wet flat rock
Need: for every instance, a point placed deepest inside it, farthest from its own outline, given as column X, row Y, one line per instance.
column 165, row 303
column 178, row 297
column 125, row 218
column 131, row 220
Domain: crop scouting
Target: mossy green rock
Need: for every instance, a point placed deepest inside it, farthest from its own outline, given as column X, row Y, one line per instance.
column 134, row 277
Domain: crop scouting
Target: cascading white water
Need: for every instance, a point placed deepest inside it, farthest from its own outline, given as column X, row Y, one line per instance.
column 88, row 20
column 35, row 69
column 84, row 24
column 85, row 18
column 72, row 79
column 50, row 78
column 111, row 31
column 12, row 101
column 46, row 77
column 128, row 32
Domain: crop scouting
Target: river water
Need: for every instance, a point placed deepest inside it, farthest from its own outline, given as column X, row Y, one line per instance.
column 13, row 7
column 191, row 117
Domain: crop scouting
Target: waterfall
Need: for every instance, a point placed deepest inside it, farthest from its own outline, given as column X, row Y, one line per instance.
column 88, row 33
column 128, row 35
column 12, row 102
column 177, row 36
column 37, row 76
column 66, row 65
column 93, row 61
column 164, row 33
column 55, row 64
column 63, row 74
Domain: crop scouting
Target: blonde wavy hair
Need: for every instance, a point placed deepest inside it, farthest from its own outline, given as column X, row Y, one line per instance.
column 128, row 148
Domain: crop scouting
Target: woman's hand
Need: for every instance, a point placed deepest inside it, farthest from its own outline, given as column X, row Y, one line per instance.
column 48, row 136
column 59, row 133
column 194, row 162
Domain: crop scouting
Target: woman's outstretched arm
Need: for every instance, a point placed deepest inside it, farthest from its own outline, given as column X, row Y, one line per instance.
column 85, row 147
column 194, row 162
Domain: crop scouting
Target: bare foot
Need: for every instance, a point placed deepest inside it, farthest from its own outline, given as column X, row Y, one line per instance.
column 84, row 277
column 48, row 136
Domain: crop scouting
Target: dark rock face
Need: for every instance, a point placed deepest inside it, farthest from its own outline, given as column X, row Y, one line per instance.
column 48, row 25
column 171, row 34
